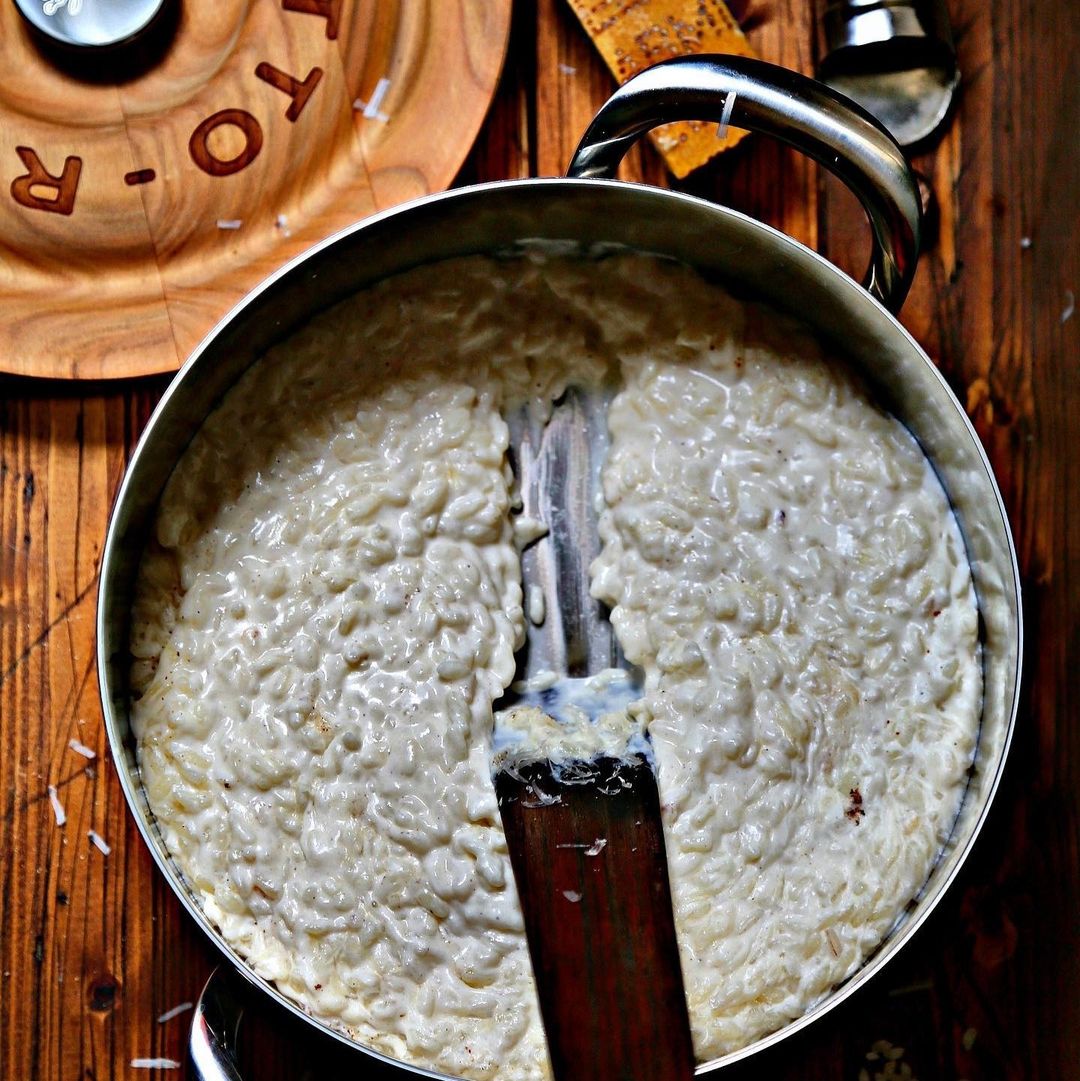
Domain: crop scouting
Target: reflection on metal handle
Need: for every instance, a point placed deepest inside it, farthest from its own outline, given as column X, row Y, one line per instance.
column 812, row 118
column 212, row 1043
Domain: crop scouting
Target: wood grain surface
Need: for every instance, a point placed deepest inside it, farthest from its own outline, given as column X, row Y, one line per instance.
column 93, row 948
column 133, row 217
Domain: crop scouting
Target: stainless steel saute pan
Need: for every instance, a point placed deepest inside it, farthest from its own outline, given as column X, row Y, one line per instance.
column 589, row 208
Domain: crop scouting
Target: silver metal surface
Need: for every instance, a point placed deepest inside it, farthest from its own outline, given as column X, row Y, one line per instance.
column 854, row 23
column 557, row 457
column 557, row 461
column 214, row 1026
column 748, row 257
column 90, row 25
column 896, row 59
column 751, row 94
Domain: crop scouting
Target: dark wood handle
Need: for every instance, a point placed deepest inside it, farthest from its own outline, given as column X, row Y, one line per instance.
column 591, row 870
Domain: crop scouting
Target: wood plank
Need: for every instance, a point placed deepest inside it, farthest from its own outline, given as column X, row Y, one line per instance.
column 999, row 959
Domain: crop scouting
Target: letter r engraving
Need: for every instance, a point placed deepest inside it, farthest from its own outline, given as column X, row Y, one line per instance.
column 37, row 176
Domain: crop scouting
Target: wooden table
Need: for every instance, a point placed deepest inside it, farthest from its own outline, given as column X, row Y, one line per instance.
column 93, row 948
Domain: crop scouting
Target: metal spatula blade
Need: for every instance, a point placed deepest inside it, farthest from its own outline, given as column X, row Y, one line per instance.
column 557, row 457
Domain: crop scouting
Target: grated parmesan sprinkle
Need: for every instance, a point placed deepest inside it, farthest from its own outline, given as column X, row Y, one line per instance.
column 168, row 1015
column 725, row 116
column 99, row 842
column 81, row 748
column 372, row 109
column 57, row 806
column 229, row 223
column 593, row 849
column 154, row 1064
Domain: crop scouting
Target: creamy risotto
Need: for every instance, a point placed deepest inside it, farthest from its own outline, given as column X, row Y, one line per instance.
column 332, row 602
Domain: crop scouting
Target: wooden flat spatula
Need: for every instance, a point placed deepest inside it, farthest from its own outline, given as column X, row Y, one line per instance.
column 590, row 866
column 585, row 836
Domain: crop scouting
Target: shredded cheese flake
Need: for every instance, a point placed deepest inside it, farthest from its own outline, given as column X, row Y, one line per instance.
column 57, row 806
column 725, row 116
column 372, row 109
column 81, row 748
column 168, row 1015
column 99, row 842
column 154, row 1064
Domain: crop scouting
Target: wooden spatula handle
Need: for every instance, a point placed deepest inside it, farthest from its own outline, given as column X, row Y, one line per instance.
column 591, row 870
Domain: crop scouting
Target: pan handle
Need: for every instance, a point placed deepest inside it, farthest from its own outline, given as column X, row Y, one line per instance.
column 809, row 116
column 212, row 1042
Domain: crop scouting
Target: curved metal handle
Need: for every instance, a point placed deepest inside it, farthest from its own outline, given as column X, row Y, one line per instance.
column 212, row 1042
column 762, row 97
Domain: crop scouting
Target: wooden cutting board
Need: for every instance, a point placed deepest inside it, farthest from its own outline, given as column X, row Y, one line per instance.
column 133, row 216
